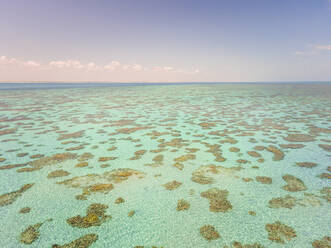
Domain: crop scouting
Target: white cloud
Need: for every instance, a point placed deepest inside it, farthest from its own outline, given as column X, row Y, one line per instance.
column 93, row 67
column 112, row 65
column 8, row 61
column 67, row 64
column 75, row 66
column 168, row 68
column 5, row 61
column 31, row 63
column 136, row 67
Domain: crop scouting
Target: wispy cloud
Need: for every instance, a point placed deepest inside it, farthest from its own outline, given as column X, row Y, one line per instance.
column 305, row 53
column 323, row 47
column 314, row 49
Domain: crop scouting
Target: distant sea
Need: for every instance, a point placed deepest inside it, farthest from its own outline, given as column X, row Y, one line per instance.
column 56, row 85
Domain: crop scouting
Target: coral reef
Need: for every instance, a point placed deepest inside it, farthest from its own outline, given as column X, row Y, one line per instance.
column 325, row 242
column 25, row 210
column 30, row 234
column 326, row 192
column 236, row 244
column 119, row 200
column 47, row 161
column 71, row 135
column 81, row 164
column 209, row 232
column 12, row 166
column 278, row 154
column 105, row 159
column 217, row 200
column 82, row 242
column 182, row 205
column 11, row 197
column 95, row 216
column 283, row 202
column 279, row 232
column 299, row 138
column 294, row 184
column 325, row 147
column 202, row 175
column 263, row 179
column 254, row 154
column 131, row 213
column 172, row 185
column 58, row 173
column 306, row 164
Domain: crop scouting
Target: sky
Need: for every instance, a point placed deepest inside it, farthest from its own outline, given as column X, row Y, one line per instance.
column 165, row 40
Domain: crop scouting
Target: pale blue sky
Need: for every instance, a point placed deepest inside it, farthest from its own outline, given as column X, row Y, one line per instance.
column 154, row 40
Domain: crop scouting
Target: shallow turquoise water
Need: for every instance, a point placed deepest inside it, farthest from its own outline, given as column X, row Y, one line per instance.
column 167, row 120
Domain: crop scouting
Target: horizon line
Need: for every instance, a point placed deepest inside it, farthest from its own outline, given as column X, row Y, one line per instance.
column 164, row 82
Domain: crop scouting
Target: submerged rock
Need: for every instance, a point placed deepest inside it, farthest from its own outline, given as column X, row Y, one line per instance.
column 279, row 232
column 9, row 198
column 217, row 200
column 82, row 242
column 209, row 232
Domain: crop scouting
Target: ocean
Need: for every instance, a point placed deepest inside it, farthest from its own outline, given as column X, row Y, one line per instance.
column 165, row 165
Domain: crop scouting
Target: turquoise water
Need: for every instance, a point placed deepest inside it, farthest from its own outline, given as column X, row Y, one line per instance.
column 198, row 135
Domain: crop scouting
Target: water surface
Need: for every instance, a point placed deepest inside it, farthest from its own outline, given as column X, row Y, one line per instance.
column 186, row 165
